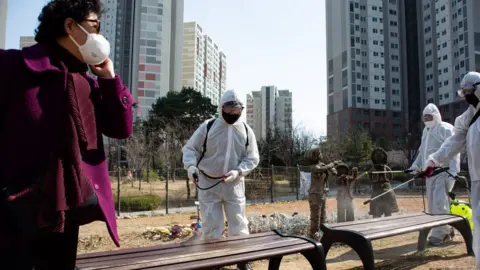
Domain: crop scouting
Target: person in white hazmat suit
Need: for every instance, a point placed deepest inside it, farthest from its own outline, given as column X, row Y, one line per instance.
column 466, row 134
column 231, row 153
column 434, row 134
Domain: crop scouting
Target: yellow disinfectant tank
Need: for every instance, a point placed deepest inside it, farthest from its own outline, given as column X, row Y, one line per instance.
column 462, row 209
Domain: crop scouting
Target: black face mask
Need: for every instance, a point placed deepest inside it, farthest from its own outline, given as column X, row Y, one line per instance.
column 230, row 118
column 472, row 99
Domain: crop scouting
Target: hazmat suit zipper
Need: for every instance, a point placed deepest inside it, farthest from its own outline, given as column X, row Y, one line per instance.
column 229, row 149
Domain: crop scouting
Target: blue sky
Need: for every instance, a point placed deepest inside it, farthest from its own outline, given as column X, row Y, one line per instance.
column 267, row 42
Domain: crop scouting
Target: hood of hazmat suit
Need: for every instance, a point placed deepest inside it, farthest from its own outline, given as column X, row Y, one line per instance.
column 226, row 150
column 467, row 137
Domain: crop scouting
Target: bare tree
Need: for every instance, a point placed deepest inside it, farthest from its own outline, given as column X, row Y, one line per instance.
column 331, row 149
column 136, row 150
column 408, row 149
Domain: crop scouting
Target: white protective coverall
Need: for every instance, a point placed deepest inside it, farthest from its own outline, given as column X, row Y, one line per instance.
column 439, row 185
column 469, row 138
column 225, row 151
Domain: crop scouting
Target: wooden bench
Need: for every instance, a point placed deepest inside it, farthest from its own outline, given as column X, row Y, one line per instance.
column 359, row 234
column 208, row 254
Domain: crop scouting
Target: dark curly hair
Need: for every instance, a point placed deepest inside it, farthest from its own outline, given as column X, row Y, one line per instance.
column 52, row 18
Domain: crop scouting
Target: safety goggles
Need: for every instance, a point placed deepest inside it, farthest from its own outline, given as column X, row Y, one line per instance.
column 467, row 90
column 427, row 117
column 232, row 107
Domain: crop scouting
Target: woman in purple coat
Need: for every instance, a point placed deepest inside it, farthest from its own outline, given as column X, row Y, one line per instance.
column 53, row 172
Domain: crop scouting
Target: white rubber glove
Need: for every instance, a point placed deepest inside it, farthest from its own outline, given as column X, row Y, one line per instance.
column 231, row 176
column 413, row 170
column 191, row 170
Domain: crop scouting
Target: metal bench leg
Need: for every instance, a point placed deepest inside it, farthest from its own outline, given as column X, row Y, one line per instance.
column 274, row 263
column 316, row 258
column 422, row 239
column 464, row 228
column 361, row 245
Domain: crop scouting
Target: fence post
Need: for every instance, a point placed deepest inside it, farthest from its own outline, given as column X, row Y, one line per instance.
column 119, row 157
column 297, row 184
column 272, row 181
column 166, row 190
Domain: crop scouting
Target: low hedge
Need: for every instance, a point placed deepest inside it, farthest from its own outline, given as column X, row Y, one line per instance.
column 138, row 202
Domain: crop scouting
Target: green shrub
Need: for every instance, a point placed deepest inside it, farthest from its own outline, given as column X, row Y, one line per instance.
column 138, row 202
column 153, row 175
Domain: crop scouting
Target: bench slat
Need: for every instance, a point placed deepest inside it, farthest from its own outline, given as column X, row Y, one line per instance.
column 372, row 220
column 397, row 230
column 234, row 259
column 195, row 255
column 404, row 222
column 169, row 246
column 163, row 251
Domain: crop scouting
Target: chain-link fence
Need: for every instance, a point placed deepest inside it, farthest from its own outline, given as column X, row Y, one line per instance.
column 169, row 191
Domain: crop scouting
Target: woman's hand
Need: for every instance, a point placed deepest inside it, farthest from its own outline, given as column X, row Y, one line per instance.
column 104, row 70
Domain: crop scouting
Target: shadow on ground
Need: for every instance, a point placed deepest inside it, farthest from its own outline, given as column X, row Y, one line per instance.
column 402, row 257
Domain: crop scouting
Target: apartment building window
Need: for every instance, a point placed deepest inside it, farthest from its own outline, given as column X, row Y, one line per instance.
column 430, row 100
column 374, row 19
column 392, row 12
column 445, row 83
column 383, row 78
column 375, row 53
column 376, row 65
column 394, row 68
column 445, row 70
column 375, row 30
column 445, row 57
column 444, row 20
column 393, row 23
column 377, row 89
column 444, row 45
column 376, row 77
column 444, row 32
column 396, row 104
column 374, row 8
column 364, row 89
column 462, row 50
column 427, row 6
column 377, row 101
column 394, row 46
column 442, row 8
column 426, row 18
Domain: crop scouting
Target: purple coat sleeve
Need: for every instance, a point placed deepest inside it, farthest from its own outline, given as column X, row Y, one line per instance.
column 114, row 108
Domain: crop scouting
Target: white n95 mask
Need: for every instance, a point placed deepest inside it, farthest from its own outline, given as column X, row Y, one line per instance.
column 95, row 50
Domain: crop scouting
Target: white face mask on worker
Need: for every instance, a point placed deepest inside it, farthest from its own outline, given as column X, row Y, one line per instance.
column 95, row 50
column 429, row 124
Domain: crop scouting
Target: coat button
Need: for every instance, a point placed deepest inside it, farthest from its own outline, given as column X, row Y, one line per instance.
column 96, row 186
column 124, row 99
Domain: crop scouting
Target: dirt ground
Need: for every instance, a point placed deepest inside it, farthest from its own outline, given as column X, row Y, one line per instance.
column 390, row 253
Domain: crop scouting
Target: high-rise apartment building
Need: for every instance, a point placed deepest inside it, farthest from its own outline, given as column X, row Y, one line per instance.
column 204, row 65
column 27, row 41
column 423, row 48
column 147, row 41
column 449, row 47
column 269, row 110
column 365, row 63
column 3, row 23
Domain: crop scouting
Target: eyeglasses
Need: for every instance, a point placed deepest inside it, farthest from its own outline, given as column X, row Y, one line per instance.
column 97, row 26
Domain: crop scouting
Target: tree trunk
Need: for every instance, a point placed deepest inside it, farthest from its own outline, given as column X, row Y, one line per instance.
column 188, row 189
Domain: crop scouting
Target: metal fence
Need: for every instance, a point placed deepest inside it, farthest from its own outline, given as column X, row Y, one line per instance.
column 167, row 192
